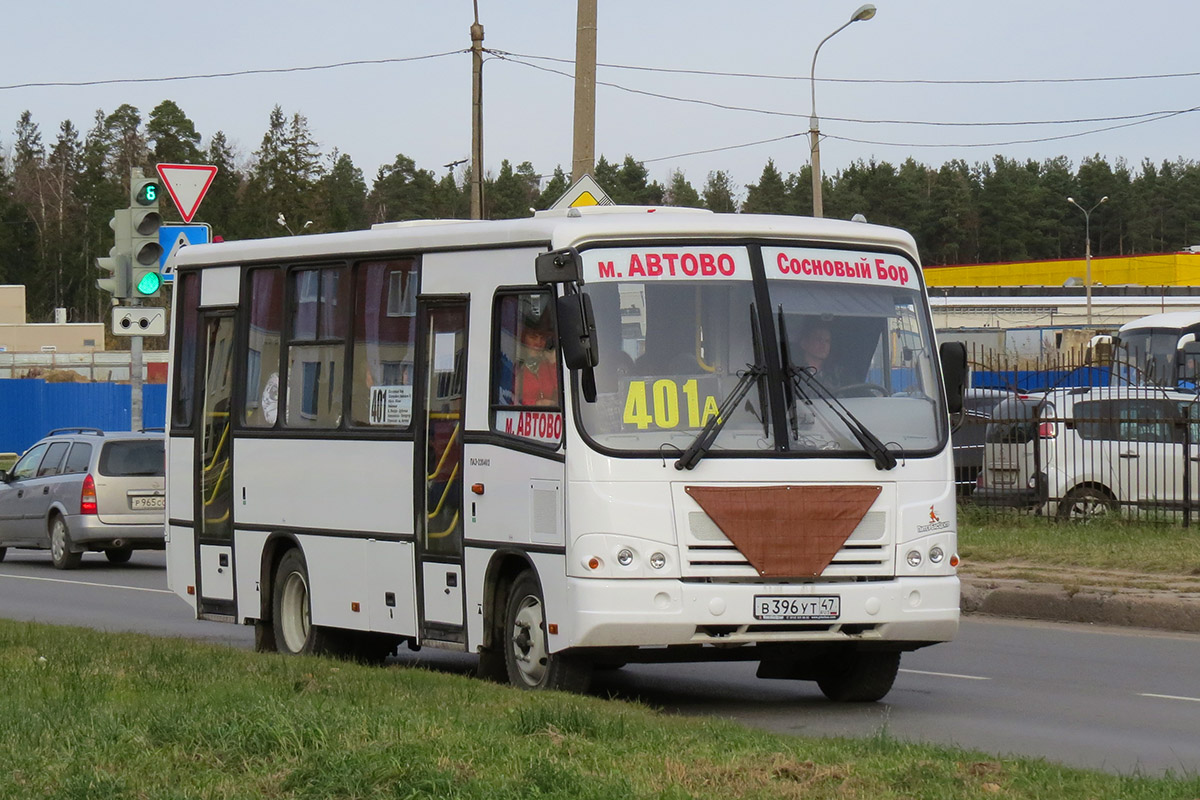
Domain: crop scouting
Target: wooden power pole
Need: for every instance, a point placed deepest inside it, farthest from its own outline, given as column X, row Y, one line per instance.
column 583, row 154
column 476, row 117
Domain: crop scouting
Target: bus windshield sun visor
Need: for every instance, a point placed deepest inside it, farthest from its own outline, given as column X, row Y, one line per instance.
column 755, row 373
column 800, row 377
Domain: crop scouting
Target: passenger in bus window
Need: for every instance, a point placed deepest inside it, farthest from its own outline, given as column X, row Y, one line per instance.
column 537, row 372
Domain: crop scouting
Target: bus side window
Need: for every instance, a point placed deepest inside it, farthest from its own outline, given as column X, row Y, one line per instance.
column 385, row 311
column 183, row 403
column 265, row 297
column 525, row 371
column 316, row 350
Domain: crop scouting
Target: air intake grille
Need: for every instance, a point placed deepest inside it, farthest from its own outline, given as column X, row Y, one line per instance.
column 867, row 553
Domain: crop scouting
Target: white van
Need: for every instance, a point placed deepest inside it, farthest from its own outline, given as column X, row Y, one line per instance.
column 1081, row 453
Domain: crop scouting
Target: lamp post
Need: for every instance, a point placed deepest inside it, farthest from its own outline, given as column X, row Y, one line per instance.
column 1087, row 228
column 282, row 221
column 864, row 12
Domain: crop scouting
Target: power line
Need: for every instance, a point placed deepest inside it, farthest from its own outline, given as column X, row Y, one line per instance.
column 960, row 82
column 1164, row 115
column 1147, row 116
column 238, row 73
column 1161, row 116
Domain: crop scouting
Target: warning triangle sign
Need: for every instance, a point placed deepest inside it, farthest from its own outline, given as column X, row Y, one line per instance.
column 187, row 183
column 585, row 192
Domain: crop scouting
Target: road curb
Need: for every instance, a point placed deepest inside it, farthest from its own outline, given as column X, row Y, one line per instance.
column 1133, row 608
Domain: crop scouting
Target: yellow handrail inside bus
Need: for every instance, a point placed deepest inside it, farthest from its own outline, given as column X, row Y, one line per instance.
column 445, row 454
column 221, row 443
column 445, row 493
column 216, row 486
column 445, row 533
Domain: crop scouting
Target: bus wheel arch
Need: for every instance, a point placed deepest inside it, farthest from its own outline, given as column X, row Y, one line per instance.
column 502, row 572
column 273, row 550
column 528, row 661
column 291, row 616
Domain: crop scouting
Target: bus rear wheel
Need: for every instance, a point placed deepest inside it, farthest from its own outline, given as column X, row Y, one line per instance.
column 291, row 610
column 860, row 677
column 527, row 656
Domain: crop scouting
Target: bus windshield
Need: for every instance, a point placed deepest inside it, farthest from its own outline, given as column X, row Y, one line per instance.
column 854, row 352
column 671, row 352
column 1146, row 356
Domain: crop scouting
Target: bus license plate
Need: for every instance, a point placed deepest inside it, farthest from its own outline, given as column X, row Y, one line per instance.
column 147, row 503
column 793, row 607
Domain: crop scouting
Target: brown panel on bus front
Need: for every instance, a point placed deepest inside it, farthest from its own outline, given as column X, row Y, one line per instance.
column 786, row 531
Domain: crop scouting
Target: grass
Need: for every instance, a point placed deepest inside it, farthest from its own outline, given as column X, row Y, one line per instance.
column 85, row 714
column 1147, row 549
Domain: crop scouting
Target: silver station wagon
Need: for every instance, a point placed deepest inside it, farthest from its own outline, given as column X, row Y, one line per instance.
column 81, row 489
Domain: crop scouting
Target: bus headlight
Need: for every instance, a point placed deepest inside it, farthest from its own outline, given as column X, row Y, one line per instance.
column 936, row 554
column 658, row 560
column 914, row 558
column 625, row 557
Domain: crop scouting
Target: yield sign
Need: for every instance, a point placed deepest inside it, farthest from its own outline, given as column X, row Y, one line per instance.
column 187, row 184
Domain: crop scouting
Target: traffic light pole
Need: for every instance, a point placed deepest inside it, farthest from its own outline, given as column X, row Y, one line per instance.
column 135, row 383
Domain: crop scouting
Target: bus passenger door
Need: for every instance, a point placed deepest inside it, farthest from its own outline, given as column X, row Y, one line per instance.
column 439, row 475
column 214, row 466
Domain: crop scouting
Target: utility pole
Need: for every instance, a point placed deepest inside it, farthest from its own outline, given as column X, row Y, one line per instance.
column 583, row 153
column 476, row 117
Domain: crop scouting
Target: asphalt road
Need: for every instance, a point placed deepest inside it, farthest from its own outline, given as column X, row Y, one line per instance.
column 1116, row 699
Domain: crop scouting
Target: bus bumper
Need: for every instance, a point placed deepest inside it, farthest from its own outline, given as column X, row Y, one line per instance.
column 622, row 613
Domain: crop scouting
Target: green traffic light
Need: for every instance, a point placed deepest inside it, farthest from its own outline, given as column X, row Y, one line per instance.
column 147, row 195
column 149, row 283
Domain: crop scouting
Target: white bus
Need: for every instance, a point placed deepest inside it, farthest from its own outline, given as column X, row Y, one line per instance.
column 368, row 444
column 1156, row 350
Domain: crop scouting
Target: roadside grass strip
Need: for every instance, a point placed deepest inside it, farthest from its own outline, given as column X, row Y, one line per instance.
column 1150, row 547
column 85, row 714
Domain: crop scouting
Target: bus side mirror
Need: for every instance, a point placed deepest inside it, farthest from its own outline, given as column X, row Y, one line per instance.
column 953, row 356
column 559, row 266
column 577, row 331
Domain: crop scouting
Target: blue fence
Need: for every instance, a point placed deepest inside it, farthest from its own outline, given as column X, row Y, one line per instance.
column 1023, row 380
column 30, row 407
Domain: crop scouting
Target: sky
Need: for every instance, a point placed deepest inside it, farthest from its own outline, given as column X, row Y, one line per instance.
column 900, row 66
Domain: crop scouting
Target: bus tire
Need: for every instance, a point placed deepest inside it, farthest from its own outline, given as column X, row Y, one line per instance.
column 860, row 677
column 528, row 660
column 291, row 610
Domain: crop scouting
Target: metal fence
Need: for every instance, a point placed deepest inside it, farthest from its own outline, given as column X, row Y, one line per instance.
column 31, row 407
column 1053, row 439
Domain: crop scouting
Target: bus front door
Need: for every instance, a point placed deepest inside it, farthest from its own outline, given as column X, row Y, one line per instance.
column 439, row 478
column 214, row 465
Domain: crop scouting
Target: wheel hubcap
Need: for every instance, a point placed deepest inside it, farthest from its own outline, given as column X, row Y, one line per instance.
column 294, row 612
column 58, row 541
column 529, row 645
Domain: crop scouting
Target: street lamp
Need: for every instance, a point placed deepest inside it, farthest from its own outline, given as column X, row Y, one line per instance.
column 1087, row 227
column 864, row 12
column 282, row 221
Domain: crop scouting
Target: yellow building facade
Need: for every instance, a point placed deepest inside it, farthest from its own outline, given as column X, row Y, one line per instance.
column 1163, row 269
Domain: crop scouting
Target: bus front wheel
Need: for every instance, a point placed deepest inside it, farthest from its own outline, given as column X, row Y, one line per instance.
column 527, row 656
column 860, row 677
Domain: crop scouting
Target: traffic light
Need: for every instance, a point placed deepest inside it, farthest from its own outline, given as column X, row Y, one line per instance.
column 145, row 250
column 117, row 263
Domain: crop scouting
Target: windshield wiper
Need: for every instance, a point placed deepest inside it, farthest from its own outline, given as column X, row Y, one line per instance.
column 799, row 377
column 754, row 374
